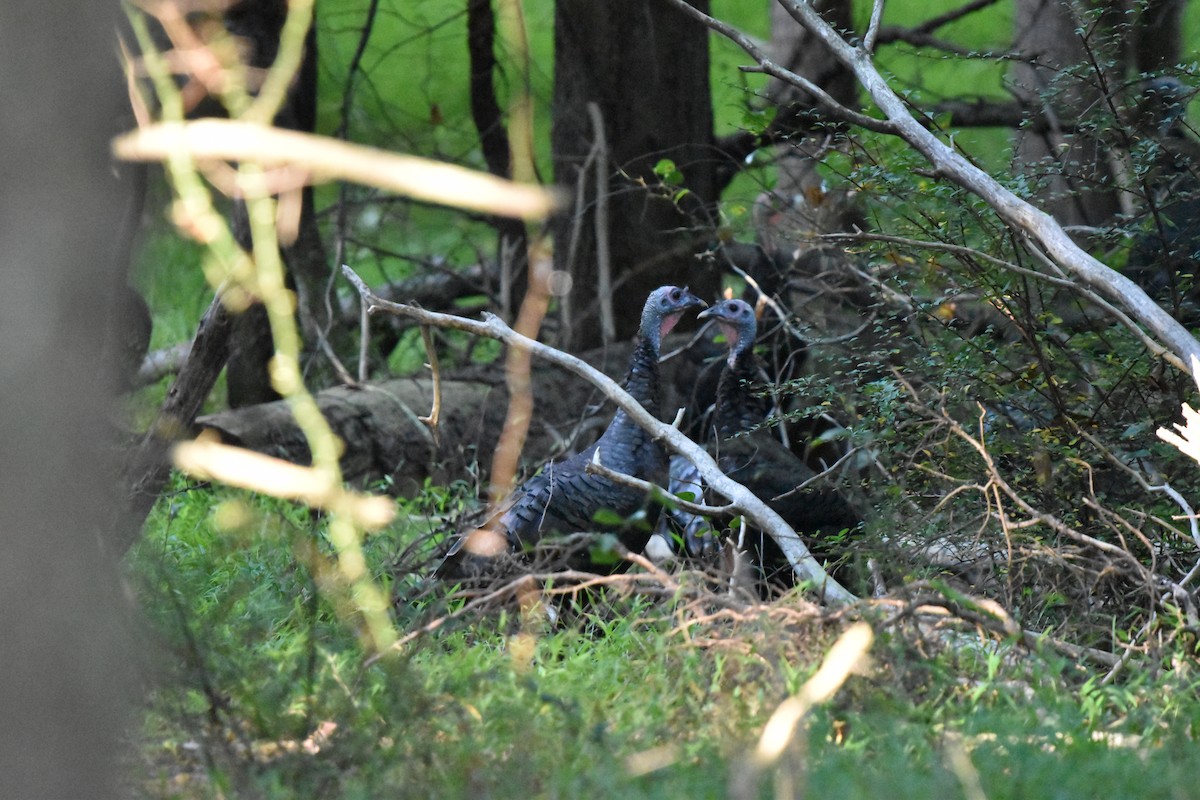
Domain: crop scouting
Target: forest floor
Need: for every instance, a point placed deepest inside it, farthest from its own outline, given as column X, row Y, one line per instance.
column 261, row 687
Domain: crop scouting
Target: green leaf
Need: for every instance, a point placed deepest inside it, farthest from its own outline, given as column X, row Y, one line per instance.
column 668, row 173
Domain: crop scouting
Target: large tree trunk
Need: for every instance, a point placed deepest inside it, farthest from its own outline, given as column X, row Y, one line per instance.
column 645, row 67
column 65, row 659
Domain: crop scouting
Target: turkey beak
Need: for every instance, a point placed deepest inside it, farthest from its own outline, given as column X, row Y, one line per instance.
column 695, row 302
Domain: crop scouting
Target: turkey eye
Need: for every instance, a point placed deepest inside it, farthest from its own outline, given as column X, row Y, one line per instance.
column 675, row 295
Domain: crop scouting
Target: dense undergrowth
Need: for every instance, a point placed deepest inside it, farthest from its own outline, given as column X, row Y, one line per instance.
column 259, row 688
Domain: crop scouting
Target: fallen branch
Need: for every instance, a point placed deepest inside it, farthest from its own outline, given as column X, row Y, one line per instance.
column 806, row 567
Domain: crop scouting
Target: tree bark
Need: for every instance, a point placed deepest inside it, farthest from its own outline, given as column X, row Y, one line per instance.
column 645, row 67
column 1080, row 187
column 513, row 245
column 248, row 379
column 1077, row 66
column 67, row 663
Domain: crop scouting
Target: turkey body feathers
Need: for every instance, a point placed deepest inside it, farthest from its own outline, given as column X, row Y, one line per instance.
column 750, row 454
column 564, row 497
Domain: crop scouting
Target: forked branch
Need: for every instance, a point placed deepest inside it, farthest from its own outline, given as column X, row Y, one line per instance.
column 1023, row 217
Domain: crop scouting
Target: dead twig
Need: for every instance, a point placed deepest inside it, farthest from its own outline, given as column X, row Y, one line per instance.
column 435, row 412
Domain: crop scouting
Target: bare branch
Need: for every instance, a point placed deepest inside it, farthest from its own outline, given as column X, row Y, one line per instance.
column 823, row 98
column 868, row 43
column 603, row 258
column 1023, row 217
column 328, row 159
column 933, row 23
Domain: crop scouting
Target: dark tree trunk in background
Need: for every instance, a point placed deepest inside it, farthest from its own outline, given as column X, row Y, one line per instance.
column 1157, row 42
column 486, row 113
column 646, row 68
column 1123, row 39
column 250, row 347
column 66, row 661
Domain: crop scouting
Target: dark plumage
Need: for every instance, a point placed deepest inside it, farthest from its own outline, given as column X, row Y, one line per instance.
column 753, row 456
column 564, row 497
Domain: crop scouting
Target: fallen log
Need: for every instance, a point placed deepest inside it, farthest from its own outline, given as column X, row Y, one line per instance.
column 383, row 437
column 380, row 429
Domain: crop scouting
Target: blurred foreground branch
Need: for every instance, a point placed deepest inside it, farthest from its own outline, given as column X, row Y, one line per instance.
column 320, row 158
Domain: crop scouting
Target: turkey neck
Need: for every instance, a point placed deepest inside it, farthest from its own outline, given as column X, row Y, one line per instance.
column 737, row 409
column 622, row 447
column 641, row 381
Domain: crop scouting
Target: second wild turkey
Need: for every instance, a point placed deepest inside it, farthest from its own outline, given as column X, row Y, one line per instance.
column 747, row 451
column 564, row 498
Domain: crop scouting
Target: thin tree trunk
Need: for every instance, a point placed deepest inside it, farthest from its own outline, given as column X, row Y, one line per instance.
column 149, row 467
column 513, row 245
column 251, row 347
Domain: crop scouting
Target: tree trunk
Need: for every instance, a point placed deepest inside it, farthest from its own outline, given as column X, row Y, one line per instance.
column 1080, row 187
column 645, row 67
column 795, row 49
column 251, row 347
column 67, row 667
column 1081, row 65
column 512, row 240
column 148, row 467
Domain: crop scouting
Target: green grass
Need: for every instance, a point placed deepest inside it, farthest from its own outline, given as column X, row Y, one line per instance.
column 255, row 658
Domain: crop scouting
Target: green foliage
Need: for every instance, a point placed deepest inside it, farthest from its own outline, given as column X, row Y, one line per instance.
column 257, row 659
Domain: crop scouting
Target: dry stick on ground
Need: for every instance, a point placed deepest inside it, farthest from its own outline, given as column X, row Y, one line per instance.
column 1162, row 587
column 925, row 599
column 1021, row 216
column 802, row 561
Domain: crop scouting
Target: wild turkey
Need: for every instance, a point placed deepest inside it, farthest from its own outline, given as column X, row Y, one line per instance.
column 564, row 497
column 753, row 456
